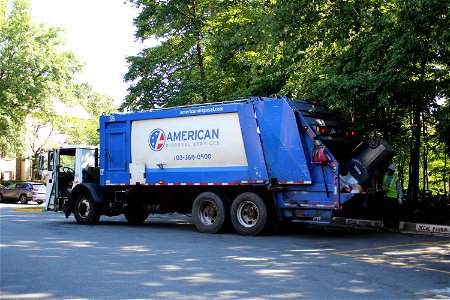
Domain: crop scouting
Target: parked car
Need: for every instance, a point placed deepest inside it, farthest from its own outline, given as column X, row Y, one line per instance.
column 23, row 192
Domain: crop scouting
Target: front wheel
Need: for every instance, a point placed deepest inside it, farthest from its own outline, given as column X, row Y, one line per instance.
column 85, row 211
column 249, row 214
column 210, row 212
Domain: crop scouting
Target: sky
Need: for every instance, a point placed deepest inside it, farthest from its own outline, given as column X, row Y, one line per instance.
column 100, row 33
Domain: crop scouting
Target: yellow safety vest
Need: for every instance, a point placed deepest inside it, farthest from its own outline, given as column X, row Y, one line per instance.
column 392, row 188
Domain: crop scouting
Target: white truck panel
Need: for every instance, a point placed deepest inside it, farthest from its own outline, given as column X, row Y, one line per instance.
column 188, row 142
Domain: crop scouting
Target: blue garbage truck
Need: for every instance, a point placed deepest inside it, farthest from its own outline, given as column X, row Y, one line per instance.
column 246, row 164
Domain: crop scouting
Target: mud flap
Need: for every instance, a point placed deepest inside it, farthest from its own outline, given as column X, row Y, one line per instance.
column 66, row 209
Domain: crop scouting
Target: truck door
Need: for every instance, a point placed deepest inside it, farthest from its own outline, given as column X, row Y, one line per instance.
column 116, row 163
column 115, row 154
column 51, row 178
column 84, row 158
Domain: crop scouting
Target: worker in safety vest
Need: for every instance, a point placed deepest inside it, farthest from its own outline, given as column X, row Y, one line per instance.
column 392, row 185
column 394, row 194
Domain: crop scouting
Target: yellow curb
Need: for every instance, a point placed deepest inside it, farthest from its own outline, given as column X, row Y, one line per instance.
column 29, row 209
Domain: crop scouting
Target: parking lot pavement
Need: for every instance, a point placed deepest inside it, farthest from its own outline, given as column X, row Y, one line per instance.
column 17, row 204
column 31, row 206
column 46, row 256
column 404, row 227
column 430, row 256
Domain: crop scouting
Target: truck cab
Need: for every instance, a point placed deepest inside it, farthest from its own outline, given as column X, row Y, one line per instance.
column 65, row 167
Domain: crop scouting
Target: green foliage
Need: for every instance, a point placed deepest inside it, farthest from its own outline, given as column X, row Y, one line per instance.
column 33, row 67
column 85, row 131
column 174, row 72
column 382, row 63
column 210, row 50
column 96, row 104
column 239, row 63
column 443, row 125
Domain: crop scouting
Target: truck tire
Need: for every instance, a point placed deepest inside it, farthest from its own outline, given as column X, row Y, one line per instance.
column 85, row 211
column 210, row 212
column 249, row 214
column 135, row 215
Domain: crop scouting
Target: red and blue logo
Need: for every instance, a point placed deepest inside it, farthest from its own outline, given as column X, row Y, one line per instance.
column 157, row 139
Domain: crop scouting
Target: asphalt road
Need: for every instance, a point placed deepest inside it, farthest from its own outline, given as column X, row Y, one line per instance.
column 45, row 256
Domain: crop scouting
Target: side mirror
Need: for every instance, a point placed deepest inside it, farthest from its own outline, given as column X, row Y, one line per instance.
column 50, row 161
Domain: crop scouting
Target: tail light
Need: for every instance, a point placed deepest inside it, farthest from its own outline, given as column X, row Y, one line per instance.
column 350, row 133
column 325, row 130
column 34, row 190
column 321, row 130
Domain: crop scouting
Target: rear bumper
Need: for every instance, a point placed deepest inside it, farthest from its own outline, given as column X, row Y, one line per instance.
column 38, row 197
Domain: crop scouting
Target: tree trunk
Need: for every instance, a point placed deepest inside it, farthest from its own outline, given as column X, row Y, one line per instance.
column 444, row 173
column 199, row 50
column 202, row 70
column 425, row 153
column 416, row 130
column 34, row 167
column 415, row 155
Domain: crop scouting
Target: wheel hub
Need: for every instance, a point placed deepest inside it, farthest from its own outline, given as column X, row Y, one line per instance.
column 84, row 208
column 248, row 214
column 208, row 213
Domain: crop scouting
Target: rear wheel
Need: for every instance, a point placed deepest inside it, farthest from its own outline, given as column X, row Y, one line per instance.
column 85, row 211
column 210, row 212
column 135, row 215
column 249, row 214
column 23, row 199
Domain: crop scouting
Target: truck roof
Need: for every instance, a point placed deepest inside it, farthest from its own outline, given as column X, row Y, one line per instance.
column 78, row 147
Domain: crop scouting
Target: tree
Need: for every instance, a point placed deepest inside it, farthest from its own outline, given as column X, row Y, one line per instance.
column 386, row 61
column 443, row 125
column 85, row 131
column 443, row 129
column 40, row 136
column 47, row 131
column 245, row 58
column 172, row 73
column 34, row 66
column 210, row 50
column 382, row 63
